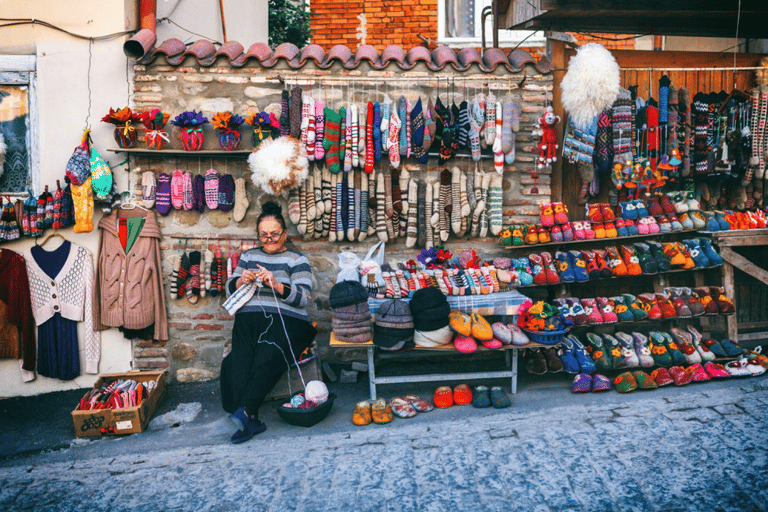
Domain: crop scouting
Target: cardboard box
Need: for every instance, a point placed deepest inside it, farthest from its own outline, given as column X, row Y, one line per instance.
column 126, row 420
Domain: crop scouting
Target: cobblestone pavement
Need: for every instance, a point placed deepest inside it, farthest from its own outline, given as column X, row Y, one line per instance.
column 697, row 448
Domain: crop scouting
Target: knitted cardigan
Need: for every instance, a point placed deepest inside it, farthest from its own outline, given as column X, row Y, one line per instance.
column 18, row 320
column 130, row 285
column 71, row 294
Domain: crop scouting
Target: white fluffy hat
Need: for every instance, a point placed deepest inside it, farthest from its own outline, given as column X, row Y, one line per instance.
column 278, row 165
column 591, row 84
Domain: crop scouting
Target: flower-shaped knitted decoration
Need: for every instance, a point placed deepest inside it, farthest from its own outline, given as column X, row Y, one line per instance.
column 154, row 120
column 190, row 119
column 123, row 119
column 264, row 124
column 427, row 256
column 191, row 124
column 226, row 123
column 443, row 255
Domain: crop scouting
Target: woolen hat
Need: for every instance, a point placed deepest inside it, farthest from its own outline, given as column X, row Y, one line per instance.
column 393, row 327
column 346, row 293
column 430, row 309
column 434, row 338
column 352, row 313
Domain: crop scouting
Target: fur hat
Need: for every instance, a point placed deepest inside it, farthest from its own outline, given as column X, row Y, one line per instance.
column 278, row 165
column 591, row 84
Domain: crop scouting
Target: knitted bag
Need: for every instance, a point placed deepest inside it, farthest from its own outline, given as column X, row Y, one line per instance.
column 78, row 167
column 102, row 177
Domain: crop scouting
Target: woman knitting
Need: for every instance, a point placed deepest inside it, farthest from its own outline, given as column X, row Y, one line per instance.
column 269, row 325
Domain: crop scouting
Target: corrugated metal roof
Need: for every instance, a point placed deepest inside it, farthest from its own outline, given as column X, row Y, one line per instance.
column 205, row 52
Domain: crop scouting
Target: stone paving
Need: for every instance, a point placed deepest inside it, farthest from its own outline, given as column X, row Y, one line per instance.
column 698, row 448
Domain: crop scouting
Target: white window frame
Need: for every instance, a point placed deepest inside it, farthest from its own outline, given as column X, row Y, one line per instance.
column 506, row 37
column 22, row 70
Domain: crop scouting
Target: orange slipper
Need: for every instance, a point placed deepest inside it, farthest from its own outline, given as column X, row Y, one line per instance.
column 381, row 412
column 460, row 322
column 481, row 329
column 443, row 397
column 462, row 395
column 362, row 414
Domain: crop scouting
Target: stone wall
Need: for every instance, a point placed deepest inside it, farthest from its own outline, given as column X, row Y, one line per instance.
column 199, row 332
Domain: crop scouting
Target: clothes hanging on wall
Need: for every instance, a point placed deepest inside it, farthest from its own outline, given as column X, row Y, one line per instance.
column 17, row 334
column 129, row 281
column 61, row 284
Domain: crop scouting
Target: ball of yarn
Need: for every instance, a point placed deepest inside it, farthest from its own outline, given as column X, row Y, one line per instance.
column 316, row 391
column 297, row 400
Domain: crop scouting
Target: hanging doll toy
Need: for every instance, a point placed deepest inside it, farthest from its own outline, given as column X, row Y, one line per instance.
column 547, row 146
column 154, row 121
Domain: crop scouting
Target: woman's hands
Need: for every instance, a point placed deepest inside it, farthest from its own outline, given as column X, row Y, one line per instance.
column 266, row 277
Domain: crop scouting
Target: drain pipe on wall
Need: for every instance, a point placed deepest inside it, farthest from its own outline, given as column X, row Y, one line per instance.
column 138, row 45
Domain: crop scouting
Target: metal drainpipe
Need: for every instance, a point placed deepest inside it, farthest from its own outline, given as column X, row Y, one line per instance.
column 495, row 5
column 138, row 45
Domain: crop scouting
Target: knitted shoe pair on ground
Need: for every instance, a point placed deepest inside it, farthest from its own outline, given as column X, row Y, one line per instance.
column 542, row 360
column 495, row 396
column 584, row 383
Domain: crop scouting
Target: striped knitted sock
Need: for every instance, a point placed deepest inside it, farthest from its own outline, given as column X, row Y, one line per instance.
column 404, row 183
column 394, row 139
column 331, row 139
column 357, row 209
column 183, row 274
column 699, row 111
column 285, row 117
column 427, row 227
column 413, row 228
column 421, row 214
column 207, row 272
column 684, row 107
column 342, row 137
column 475, row 122
column 325, row 189
column 354, row 114
column 463, row 203
column 621, row 123
column 294, row 206
column 498, row 147
column 386, row 113
column 456, row 200
column 376, row 131
column 372, row 201
column 363, row 207
column 381, row 222
column 162, row 197
column 463, row 124
column 175, row 263
column 445, row 208
column 489, row 129
column 389, row 210
column 317, row 193
column 340, row 208
column 201, row 276
column 494, row 203
column 302, row 193
column 672, row 119
column 350, row 207
column 479, row 203
column 311, row 208
column 484, row 213
column 436, row 215
column 369, row 154
column 334, row 211
column 408, row 127
column 319, row 129
column 311, row 131
column 318, row 231
column 348, row 140
column 221, row 275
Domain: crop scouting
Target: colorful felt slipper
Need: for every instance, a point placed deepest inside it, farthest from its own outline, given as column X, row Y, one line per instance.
column 499, row 398
column 519, row 338
column 600, row 383
column 536, row 364
column 680, row 376
column 714, row 347
column 482, row 398
column 716, row 371
column 597, row 352
column 462, row 395
column 362, row 414
column 481, row 329
column 568, row 355
column 582, row 383
column 644, row 381
column 659, row 352
column 698, row 373
column 758, row 354
column 465, row 344
column 460, row 323
column 754, row 366
column 418, row 403
column 731, row 348
column 402, row 408
column 625, row 383
column 492, row 343
column 502, row 333
column 662, row 377
column 443, row 397
column 381, row 412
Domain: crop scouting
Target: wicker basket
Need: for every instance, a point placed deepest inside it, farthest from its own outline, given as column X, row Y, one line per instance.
column 546, row 337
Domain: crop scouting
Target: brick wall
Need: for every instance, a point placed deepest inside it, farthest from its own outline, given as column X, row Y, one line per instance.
column 199, row 332
column 610, row 41
column 376, row 23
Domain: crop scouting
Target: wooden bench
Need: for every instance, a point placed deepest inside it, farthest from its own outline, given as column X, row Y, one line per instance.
column 510, row 358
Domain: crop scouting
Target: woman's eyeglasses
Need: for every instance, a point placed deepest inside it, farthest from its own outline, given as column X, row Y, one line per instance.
column 270, row 237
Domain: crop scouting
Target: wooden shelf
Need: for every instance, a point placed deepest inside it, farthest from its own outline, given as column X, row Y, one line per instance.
column 601, row 280
column 615, row 240
column 162, row 153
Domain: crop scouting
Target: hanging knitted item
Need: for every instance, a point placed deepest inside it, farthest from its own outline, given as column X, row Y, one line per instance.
column 309, row 105
column 186, row 191
column 319, row 129
column 82, row 197
column 294, row 109
column 417, row 133
column 67, row 207
column 226, row 192
column 621, row 123
column 700, row 113
column 369, row 152
column 57, row 198
column 331, row 139
column 198, row 193
column 590, row 85
column 163, row 194
column 347, row 140
column 3, row 149
column 41, row 210
column 376, row 131
column 148, row 189
column 395, row 126
column 285, row 117
column 684, row 134
column 664, row 82
column 278, row 165
column 211, row 189
column 603, row 156
column 78, row 167
column 402, row 113
column 386, row 112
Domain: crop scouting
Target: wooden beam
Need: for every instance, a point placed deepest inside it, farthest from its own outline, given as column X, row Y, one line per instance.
column 731, row 320
column 743, row 264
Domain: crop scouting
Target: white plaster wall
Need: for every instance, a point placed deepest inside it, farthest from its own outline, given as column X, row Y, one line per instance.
column 246, row 20
column 62, row 70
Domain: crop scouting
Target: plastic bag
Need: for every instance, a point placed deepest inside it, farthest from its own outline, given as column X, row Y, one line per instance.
column 371, row 264
column 348, row 265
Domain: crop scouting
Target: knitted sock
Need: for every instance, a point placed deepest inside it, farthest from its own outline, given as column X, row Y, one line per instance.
column 177, row 189
column 456, row 200
column 198, row 193
column 463, row 205
column 376, row 131
column 182, row 275
column 479, row 203
column 369, row 154
column 506, row 124
column 318, row 227
column 436, row 215
column 446, row 140
column 342, row 136
column 325, row 189
column 402, row 114
column 193, row 289
column 206, row 284
column 354, row 197
column 354, row 115
column 294, row 111
column 429, row 126
column 342, row 200
column 82, row 196
column 319, row 129
column 201, row 274
column 498, row 147
column 489, row 129
column 389, row 205
column 672, row 117
column 603, row 154
column 484, row 213
column 226, row 192
column 445, row 207
column 407, row 124
column 454, row 123
column 213, row 288
column 311, row 130
column 700, row 110
column 427, row 227
column 394, row 139
column 362, row 207
column 222, row 275
column 302, row 224
column 313, row 191
column 413, row 228
column 494, row 204
column 294, row 206
column 509, row 158
column 403, row 185
column 335, row 213
column 381, row 219
column 211, row 189
column 285, row 117
column 386, row 112
column 621, row 122
column 241, row 200
column 148, row 189
column 421, row 213
column 331, row 140
column 417, row 133
column 175, row 264
column 348, row 140
column 304, row 126
column 162, row 196
column 684, row 107
column 475, row 122
column 515, row 113
column 463, row 125
column 372, row 201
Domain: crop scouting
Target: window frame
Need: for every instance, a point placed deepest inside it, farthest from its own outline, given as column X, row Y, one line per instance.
column 22, row 70
column 463, row 42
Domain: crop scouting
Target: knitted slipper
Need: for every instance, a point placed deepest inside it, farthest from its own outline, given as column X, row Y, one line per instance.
column 582, row 383
column 198, row 193
column 362, row 413
column 381, row 412
column 402, row 408
column 680, row 376
column 177, row 189
column 716, row 371
column 644, row 381
column 499, row 398
column 443, row 397
column 698, row 373
column 625, row 383
column 163, row 194
column 419, row 404
column 600, row 383
column 211, row 189
column 462, row 395
column 241, row 200
column 226, row 193
column 662, row 377
column 465, row 344
column 148, row 189
column 482, row 398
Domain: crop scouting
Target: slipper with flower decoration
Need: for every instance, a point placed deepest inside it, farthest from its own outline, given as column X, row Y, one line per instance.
column 402, row 408
column 625, row 383
column 698, row 373
column 606, row 307
column 643, row 349
column 716, row 371
column 648, row 303
column 724, row 304
column 622, row 310
column 630, row 358
column 701, row 348
column 644, row 381
column 567, row 231
column 596, row 350
column 685, row 343
column 561, row 213
column 634, row 307
column 547, row 215
column 680, row 376
column 662, row 377
column 665, row 305
column 678, row 358
column 659, row 352
column 579, row 266
column 754, row 366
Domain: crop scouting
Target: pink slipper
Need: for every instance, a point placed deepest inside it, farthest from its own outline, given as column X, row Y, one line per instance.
column 465, row 344
column 492, row 343
column 716, row 371
column 418, row 403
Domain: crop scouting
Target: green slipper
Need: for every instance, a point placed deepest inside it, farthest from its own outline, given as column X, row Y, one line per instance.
column 644, row 381
column 499, row 398
column 482, row 398
column 625, row 382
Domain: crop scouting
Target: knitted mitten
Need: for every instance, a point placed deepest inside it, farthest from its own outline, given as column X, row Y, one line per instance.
column 211, row 189
column 148, row 189
column 186, row 191
column 177, row 189
column 162, row 196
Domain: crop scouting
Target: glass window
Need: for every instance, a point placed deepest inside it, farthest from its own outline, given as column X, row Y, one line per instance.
column 14, row 125
column 460, row 22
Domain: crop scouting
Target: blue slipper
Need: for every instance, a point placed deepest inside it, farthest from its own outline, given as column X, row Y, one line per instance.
column 499, row 398
column 481, row 399
column 253, row 427
column 568, row 357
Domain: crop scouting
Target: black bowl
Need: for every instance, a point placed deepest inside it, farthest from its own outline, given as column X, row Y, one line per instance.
column 306, row 417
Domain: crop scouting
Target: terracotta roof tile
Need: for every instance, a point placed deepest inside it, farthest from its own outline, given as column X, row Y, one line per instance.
column 174, row 52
